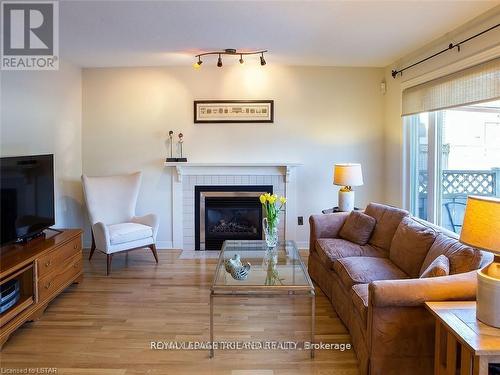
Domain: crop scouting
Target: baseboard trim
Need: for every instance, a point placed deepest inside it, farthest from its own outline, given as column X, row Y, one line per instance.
column 164, row 245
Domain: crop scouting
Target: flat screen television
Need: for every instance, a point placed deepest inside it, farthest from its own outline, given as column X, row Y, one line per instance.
column 27, row 196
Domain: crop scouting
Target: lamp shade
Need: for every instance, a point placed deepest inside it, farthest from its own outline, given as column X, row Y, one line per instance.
column 481, row 227
column 347, row 175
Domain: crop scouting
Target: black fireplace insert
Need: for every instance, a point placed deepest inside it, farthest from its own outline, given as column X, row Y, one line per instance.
column 227, row 213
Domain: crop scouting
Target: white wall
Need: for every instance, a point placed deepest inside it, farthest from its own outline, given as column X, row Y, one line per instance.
column 322, row 116
column 393, row 146
column 41, row 114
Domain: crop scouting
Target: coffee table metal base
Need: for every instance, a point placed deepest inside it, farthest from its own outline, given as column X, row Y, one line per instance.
column 311, row 295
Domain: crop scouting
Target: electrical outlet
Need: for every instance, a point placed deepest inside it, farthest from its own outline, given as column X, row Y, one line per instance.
column 300, row 220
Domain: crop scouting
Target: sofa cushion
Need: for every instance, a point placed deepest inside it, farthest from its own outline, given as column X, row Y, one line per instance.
column 439, row 267
column 128, row 232
column 462, row 258
column 388, row 219
column 410, row 246
column 329, row 249
column 359, row 296
column 358, row 228
column 363, row 270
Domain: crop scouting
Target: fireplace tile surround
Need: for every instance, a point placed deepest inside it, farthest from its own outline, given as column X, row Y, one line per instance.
column 191, row 182
column 186, row 176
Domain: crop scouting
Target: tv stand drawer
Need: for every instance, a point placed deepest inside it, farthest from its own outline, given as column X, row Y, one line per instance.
column 60, row 278
column 58, row 257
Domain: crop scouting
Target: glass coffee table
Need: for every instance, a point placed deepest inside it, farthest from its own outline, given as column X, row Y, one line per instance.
column 276, row 271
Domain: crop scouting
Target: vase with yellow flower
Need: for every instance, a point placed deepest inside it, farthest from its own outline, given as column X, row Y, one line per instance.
column 272, row 206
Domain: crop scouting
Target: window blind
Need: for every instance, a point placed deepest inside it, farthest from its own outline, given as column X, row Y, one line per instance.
column 477, row 84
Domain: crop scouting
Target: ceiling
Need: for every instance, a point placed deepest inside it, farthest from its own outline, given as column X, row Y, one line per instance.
column 339, row 33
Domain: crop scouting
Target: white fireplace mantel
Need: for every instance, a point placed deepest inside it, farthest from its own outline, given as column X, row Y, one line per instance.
column 193, row 168
column 229, row 171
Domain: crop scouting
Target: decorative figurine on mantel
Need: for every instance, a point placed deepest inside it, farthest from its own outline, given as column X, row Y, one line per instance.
column 171, row 158
column 181, row 141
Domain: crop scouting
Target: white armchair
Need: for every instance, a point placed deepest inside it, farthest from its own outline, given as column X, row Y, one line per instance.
column 111, row 205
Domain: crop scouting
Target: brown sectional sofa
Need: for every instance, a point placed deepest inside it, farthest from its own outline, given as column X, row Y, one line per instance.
column 376, row 290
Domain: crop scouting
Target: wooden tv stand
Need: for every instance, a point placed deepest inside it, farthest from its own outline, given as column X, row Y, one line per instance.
column 44, row 267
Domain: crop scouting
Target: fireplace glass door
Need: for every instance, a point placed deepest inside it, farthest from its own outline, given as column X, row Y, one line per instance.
column 231, row 218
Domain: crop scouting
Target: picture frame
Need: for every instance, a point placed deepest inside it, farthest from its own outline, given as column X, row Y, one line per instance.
column 233, row 111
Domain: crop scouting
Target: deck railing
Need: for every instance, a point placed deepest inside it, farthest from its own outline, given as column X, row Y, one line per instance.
column 456, row 185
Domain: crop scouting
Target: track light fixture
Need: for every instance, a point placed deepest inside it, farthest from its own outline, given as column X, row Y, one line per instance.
column 230, row 51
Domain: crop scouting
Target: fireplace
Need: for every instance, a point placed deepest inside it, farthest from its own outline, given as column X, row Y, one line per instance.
column 227, row 213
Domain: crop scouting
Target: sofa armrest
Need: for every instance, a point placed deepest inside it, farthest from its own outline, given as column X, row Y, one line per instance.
column 325, row 226
column 399, row 326
column 414, row 292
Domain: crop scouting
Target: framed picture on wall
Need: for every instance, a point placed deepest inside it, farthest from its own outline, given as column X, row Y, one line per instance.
column 233, row 111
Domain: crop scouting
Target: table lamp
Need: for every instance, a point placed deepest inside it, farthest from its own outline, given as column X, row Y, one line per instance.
column 347, row 176
column 481, row 229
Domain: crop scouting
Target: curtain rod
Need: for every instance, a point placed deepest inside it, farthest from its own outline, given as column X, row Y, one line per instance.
column 395, row 72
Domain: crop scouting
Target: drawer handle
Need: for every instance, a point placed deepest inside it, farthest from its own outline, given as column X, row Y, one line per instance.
column 75, row 246
column 47, row 286
column 75, row 265
column 48, row 263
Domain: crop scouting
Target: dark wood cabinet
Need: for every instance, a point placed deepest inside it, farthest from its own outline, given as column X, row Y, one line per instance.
column 43, row 268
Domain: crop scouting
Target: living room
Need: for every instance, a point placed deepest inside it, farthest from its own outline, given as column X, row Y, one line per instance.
column 156, row 123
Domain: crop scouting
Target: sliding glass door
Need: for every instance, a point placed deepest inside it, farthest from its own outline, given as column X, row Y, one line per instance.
column 453, row 153
column 418, row 128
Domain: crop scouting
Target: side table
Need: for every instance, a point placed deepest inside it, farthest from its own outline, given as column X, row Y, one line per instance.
column 464, row 345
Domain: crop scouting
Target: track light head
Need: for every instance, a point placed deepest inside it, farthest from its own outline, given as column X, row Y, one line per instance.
column 219, row 62
column 241, row 60
column 262, row 60
column 197, row 64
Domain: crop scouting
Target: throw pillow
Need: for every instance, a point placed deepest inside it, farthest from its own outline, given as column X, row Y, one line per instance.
column 462, row 258
column 358, row 228
column 410, row 245
column 439, row 267
column 388, row 218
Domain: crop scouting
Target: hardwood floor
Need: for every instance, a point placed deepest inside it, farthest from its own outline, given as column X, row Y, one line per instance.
column 105, row 325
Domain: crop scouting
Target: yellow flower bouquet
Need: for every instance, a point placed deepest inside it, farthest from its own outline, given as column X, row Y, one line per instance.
column 272, row 205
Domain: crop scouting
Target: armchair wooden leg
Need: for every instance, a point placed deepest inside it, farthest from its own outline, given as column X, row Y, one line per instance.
column 108, row 265
column 92, row 249
column 153, row 249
